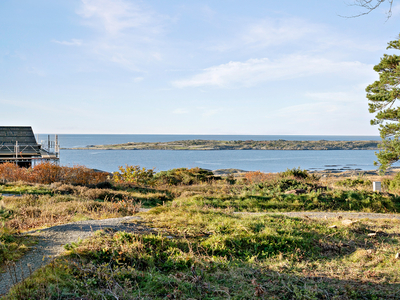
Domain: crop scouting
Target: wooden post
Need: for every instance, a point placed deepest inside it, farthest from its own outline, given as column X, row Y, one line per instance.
column 57, row 146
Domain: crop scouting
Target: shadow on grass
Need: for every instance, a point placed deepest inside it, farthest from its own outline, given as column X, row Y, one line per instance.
column 152, row 267
column 344, row 201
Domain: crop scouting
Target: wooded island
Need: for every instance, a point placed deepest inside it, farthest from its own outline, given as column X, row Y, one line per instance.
column 239, row 145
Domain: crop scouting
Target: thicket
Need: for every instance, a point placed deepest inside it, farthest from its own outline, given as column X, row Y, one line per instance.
column 185, row 176
column 295, row 173
column 258, row 176
column 352, row 183
column 47, row 173
column 136, row 175
column 392, row 184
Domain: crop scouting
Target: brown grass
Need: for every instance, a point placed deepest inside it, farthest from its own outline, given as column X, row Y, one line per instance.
column 33, row 211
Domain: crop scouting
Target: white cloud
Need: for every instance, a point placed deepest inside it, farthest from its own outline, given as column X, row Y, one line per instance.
column 307, row 111
column 206, row 111
column 128, row 33
column 255, row 71
column 120, row 58
column 273, row 32
column 270, row 32
column 118, row 16
column 180, row 111
column 292, row 33
column 137, row 79
column 73, row 42
column 210, row 112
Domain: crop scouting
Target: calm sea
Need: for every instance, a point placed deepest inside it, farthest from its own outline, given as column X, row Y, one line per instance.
column 249, row 160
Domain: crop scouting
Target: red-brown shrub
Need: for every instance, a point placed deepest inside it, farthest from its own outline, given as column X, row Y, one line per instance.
column 46, row 173
column 80, row 175
column 257, row 176
column 11, row 172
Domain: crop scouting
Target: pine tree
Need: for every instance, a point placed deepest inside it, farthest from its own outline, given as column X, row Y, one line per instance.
column 382, row 96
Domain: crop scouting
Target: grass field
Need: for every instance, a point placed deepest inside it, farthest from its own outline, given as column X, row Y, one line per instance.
column 204, row 248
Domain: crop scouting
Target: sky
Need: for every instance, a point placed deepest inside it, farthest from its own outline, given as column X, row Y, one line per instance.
column 190, row 67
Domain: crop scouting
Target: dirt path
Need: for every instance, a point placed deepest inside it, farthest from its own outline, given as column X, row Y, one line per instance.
column 50, row 245
column 52, row 240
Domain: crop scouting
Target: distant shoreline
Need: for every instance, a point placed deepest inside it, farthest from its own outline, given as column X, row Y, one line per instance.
column 207, row 145
column 339, row 172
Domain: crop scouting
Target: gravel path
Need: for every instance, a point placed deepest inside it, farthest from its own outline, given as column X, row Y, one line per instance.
column 51, row 241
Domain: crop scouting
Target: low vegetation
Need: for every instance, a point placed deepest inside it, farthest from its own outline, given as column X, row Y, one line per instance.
column 47, row 173
column 215, row 254
column 147, row 177
column 12, row 245
column 208, row 246
column 354, row 183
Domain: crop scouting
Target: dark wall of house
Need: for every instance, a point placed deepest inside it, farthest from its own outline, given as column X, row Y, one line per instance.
column 22, row 164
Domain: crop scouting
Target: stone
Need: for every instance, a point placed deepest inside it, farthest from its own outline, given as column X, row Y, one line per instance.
column 296, row 192
column 348, row 222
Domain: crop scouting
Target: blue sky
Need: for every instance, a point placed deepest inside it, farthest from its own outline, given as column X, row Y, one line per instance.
column 190, row 67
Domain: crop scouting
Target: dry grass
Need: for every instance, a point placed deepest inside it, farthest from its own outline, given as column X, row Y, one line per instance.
column 13, row 245
column 33, row 211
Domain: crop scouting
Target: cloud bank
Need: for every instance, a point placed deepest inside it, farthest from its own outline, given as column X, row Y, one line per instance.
column 254, row 71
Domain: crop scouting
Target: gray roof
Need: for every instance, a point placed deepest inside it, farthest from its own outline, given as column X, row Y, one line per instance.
column 9, row 135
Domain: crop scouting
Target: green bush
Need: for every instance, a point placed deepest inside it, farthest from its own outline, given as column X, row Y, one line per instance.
column 134, row 175
column 144, row 252
column 392, row 184
column 359, row 182
column 184, row 176
column 282, row 185
column 296, row 173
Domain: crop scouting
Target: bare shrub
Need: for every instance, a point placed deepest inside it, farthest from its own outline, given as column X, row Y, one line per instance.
column 258, row 176
column 47, row 173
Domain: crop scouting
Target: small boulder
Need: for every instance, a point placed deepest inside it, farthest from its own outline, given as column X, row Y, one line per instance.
column 296, row 192
column 348, row 222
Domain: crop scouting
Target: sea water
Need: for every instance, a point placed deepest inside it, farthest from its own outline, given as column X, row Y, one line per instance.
column 249, row 160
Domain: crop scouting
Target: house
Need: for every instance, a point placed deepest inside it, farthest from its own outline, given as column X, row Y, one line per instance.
column 19, row 145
